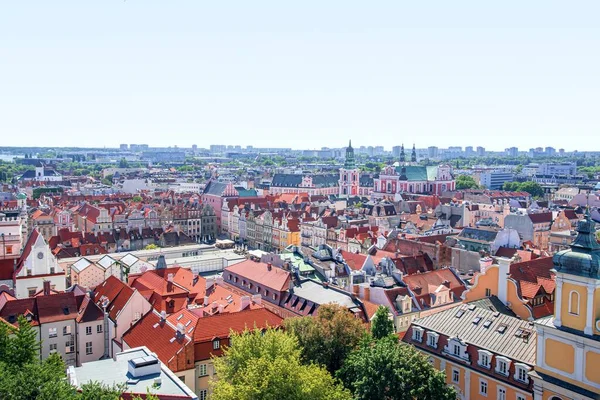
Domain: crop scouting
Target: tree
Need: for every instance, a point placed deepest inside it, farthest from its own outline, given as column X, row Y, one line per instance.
column 123, row 163
column 533, row 188
column 465, row 182
column 137, row 199
column 386, row 369
column 328, row 337
column 151, row 246
column 511, row 186
column 381, row 325
column 266, row 365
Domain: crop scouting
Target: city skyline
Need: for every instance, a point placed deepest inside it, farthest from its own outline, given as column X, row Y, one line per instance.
column 271, row 74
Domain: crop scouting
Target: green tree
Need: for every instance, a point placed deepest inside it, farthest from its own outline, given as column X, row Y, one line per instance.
column 386, row 369
column 137, row 199
column 266, row 365
column 533, row 188
column 511, row 186
column 151, row 246
column 328, row 337
column 123, row 163
column 465, row 182
column 381, row 325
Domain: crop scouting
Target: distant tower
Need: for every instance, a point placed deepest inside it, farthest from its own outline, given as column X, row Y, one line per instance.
column 402, row 155
column 413, row 156
column 349, row 175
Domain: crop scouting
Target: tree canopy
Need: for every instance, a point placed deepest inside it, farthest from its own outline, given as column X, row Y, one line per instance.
column 381, row 325
column 328, row 337
column 386, row 369
column 533, row 188
column 465, row 182
column 266, row 366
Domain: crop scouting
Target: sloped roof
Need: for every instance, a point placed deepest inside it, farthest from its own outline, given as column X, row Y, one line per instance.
column 220, row 325
column 276, row 278
column 533, row 274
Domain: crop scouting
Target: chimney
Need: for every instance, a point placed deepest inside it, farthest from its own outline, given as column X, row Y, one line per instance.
column 244, row 302
column 221, row 308
column 219, row 280
column 484, row 263
column 170, row 278
column 503, row 272
column 257, row 299
column 367, row 293
column 163, row 316
column 269, row 266
column 205, row 300
column 355, row 289
column 46, row 288
column 180, row 330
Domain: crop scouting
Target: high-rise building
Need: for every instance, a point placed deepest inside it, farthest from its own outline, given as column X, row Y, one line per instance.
column 396, row 151
column 512, row 151
column 432, row 152
column 480, row 151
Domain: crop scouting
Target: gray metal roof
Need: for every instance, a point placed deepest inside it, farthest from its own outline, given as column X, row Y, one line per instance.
column 489, row 338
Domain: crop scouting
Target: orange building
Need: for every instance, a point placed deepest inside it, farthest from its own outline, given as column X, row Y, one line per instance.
column 526, row 287
column 568, row 343
column 484, row 350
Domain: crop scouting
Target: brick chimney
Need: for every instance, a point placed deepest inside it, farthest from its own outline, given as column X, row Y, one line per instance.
column 269, row 266
column 46, row 288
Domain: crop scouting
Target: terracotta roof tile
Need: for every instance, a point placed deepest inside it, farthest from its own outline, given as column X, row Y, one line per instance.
column 258, row 272
column 219, row 326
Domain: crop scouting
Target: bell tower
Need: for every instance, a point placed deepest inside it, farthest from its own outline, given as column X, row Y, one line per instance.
column 349, row 174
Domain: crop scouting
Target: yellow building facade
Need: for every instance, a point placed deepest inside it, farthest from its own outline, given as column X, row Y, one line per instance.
column 568, row 343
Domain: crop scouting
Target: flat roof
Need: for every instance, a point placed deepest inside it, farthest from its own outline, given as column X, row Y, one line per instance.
column 112, row 372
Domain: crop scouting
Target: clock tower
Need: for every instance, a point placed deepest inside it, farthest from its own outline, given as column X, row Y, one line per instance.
column 349, row 175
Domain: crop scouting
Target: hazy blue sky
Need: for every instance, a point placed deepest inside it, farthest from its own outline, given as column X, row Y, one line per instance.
column 304, row 75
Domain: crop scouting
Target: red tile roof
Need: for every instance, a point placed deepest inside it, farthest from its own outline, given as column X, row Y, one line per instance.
column 354, row 261
column 532, row 275
column 219, row 326
column 117, row 293
column 540, row 218
column 425, row 284
column 56, row 307
column 276, row 278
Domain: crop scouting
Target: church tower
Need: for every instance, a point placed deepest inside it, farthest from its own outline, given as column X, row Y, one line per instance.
column 568, row 344
column 349, row 175
column 413, row 156
column 402, row 155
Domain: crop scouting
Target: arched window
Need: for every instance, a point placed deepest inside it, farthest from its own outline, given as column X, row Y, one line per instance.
column 389, row 187
column 574, row 303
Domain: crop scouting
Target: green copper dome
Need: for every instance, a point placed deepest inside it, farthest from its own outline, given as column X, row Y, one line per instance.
column 21, row 196
column 583, row 258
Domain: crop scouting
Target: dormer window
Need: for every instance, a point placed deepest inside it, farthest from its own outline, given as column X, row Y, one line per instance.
column 522, row 372
column 457, row 348
column 485, row 358
column 216, row 344
column 502, row 365
column 432, row 339
column 418, row 334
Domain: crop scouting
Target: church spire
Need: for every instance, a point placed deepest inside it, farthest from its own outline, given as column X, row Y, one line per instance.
column 413, row 156
column 350, row 163
column 402, row 155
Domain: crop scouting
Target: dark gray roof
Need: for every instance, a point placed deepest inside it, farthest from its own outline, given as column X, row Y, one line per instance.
column 485, row 235
column 215, row 188
column 493, row 303
column 366, row 180
column 489, row 338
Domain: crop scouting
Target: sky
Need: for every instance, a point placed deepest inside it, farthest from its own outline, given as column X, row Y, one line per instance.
column 303, row 74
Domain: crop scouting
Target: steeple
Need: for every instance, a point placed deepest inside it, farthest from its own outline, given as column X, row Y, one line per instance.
column 350, row 163
column 413, row 156
column 583, row 258
column 402, row 155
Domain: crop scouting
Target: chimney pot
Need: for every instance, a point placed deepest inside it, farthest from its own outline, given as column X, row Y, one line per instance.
column 46, row 288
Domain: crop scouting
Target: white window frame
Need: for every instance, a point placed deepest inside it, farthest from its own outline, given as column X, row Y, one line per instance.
column 432, row 339
column 520, row 367
column 501, row 390
column 89, row 349
column 521, row 396
column 216, row 343
column 487, row 386
column 571, row 304
column 202, row 370
column 52, row 332
column 501, row 360
column 418, row 334
column 488, row 355
column 455, row 373
column 462, row 349
column 88, row 330
column 99, row 328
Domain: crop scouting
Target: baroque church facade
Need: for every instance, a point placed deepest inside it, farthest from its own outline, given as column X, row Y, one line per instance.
column 393, row 180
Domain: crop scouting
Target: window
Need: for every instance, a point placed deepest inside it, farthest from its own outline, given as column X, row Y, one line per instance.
column 521, row 396
column 488, row 292
column 432, row 339
column 484, row 358
column 456, row 350
column 202, row 394
column 99, row 328
column 52, row 333
column 31, row 291
column 88, row 330
column 69, row 346
column 455, row 375
column 502, row 365
column 501, row 393
column 66, row 330
column 418, row 334
column 202, row 370
column 522, row 372
column 137, row 315
column 182, row 378
column 216, row 344
column 53, row 347
column 88, row 348
column 483, row 387
column 574, row 303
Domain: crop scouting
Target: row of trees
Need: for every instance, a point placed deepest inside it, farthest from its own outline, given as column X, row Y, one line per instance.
column 23, row 376
column 533, row 188
column 329, row 356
